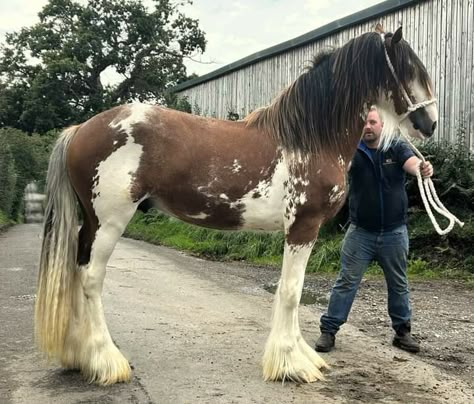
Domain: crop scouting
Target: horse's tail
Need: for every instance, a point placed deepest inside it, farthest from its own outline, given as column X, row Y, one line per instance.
column 58, row 254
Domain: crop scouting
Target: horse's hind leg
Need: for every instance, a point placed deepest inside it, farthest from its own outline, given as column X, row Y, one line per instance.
column 287, row 355
column 88, row 345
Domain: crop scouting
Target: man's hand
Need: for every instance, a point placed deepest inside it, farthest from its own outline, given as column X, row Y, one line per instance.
column 413, row 163
column 426, row 169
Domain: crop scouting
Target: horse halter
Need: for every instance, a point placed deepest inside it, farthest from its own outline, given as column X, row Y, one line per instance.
column 427, row 189
column 411, row 107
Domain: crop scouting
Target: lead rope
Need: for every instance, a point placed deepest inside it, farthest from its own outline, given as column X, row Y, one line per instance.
column 430, row 197
column 425, row 185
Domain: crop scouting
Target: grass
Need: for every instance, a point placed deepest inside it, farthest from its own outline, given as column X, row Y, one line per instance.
column 4, row 221
column 257, row 248
column 431, row 256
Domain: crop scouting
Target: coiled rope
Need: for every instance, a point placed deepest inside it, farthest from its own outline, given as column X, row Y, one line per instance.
column 425, row 185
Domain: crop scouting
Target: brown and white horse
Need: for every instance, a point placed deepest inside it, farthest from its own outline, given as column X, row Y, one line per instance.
column 281, row 168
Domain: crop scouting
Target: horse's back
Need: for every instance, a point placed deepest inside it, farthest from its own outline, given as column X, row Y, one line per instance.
column 198, row 169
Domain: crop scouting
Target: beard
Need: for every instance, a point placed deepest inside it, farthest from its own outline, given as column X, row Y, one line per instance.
column 370, row 137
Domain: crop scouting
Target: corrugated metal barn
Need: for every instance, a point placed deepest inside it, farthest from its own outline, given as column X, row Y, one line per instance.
column 440, row 31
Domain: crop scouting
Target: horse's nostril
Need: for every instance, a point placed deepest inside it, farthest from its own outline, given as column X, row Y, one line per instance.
column 434, row 126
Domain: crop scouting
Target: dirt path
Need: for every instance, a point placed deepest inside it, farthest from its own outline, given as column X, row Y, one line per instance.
column 443, row 317
column 194, row 332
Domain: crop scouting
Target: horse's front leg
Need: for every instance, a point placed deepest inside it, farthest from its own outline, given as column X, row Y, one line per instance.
column 287, row 355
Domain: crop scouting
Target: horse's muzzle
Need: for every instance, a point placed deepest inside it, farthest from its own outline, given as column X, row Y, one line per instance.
column 422, row 122
column 427, row 132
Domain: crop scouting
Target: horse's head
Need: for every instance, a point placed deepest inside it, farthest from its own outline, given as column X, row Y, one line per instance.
column 408, row 100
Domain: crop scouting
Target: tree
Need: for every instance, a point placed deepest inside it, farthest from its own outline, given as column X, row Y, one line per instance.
column 51, row 74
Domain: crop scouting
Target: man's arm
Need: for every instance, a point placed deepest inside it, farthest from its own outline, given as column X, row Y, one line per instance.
column 411, row 167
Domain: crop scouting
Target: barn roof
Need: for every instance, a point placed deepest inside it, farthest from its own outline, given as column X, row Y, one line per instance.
column 311, row 36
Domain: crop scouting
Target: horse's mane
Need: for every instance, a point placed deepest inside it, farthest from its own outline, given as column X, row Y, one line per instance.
column 326, row 103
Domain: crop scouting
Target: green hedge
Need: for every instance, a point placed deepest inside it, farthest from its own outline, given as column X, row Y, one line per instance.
column 453, row 178
column 448, row 256
column 23, row 158
column 8, row 177
column 4, row 220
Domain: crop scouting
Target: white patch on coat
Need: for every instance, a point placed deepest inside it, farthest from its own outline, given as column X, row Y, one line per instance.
column 300, row 180
column 295, row 195
column 236, row 167
column 200, row 216
column 336, row 194
column 224, row 196
column 115, row 175
column 342, row 162
column 137, row 115
column 297, row 159
column 263, row 206
column 202, row 189
column 294, row 198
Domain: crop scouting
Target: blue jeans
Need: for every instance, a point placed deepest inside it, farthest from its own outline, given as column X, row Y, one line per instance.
column 359, row 248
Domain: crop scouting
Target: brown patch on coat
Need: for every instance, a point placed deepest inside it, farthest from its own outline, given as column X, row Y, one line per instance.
column 322, row 173
column 93, row 142
column 188, row 162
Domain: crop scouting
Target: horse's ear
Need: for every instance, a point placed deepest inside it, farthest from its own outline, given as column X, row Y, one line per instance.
column 379, row 28
column 397, row 36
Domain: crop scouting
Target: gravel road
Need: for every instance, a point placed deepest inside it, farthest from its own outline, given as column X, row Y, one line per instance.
column 194, row 332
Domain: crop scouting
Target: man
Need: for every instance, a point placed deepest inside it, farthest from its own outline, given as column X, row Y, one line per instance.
column 378, row 213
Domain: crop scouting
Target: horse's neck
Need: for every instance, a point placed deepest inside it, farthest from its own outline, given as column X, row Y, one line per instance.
column 347, row 152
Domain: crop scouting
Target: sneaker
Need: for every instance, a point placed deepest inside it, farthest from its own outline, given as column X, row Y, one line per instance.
column 325, row 342
column 406, row 342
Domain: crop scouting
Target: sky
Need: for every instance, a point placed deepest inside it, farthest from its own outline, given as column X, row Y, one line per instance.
column 234, row 28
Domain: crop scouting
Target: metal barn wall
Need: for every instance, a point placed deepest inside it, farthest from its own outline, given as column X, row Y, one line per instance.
column 440, row 31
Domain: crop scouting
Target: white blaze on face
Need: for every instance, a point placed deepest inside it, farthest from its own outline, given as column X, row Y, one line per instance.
column 115, row 175
column 420, row 94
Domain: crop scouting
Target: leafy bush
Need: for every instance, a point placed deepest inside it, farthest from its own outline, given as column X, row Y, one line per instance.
column 4, row 220
column 232, row 115
column 24, row 158
column 8, row 177
column 454, row 173
column 179, row 103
